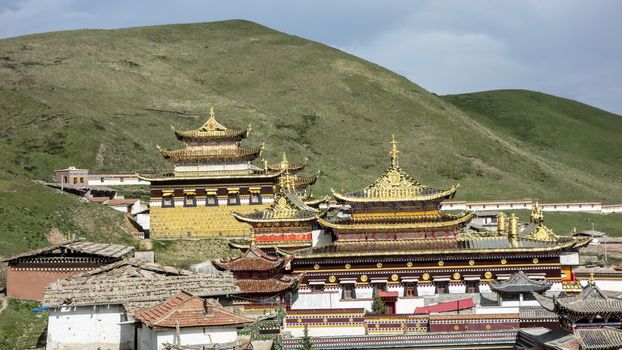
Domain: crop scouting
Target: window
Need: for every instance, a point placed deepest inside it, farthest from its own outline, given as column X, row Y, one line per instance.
column 211, row 200
column 410, row 289
column 316, row 287
column 255, row 198
column 233, row 199
column 75, row 180
column 379, row 286
column 121, row 179
column 349, row 291
column 442, row 287
column 472, row 286
column 101, row 179
column 190, row 201
column 168, row 202
column 65, row 179
column 81, row 180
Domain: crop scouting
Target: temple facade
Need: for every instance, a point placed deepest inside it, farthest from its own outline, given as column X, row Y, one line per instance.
column 391, row 236
column 212, row 177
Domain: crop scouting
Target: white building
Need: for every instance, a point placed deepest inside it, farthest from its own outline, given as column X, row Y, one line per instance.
column 95, row 310
column 184, row 319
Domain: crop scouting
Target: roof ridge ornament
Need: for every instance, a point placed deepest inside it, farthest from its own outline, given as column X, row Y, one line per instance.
column 394, row 152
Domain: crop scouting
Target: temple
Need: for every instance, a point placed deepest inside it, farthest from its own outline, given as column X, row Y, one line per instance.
column 287, row 223
column 213, row 176
column 261, row 278
column 391, row 236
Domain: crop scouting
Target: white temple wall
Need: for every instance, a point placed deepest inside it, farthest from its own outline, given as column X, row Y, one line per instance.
column 458, row 288
column 484, row 288
column 486, row 310
column 331, row 300
column 89, row 327
column 427, row 289
column 605, row 284
column 196, row 336
column 556, row 287
column 320, row 237
column 408, row 305
column 327, row 331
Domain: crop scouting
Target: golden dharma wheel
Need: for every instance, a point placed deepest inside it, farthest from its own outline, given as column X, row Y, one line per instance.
column 488, row 274
column 395, row 277
column 418, row 324
column 299, row 320
column 471, row 262
column 409, row 264
column 535, row 260
column 348, row 266
column 316, row 267
column 503, row 261
column 488, row 326
column 332, row 279
column 456, row 276
column 379, row 265
column 377, row 325
column 441, row 263
column 456, row 327
column 363, row 278
column 426, row 276
column 350, row 319
column 325, row 320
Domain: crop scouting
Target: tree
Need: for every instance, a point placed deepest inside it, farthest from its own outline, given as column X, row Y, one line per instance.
column 305, row 342
column 377, row 307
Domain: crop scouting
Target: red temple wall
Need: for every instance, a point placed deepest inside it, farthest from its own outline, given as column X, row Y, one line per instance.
column 30, row 284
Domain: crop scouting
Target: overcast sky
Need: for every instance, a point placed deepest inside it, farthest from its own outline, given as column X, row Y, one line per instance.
column 568, row 48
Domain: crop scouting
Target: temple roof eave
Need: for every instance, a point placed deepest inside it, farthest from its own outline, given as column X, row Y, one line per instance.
column 248, row 218
column 414, row 225
column 156, row 177
column 551, row 248
column 446, row 194
column 205, row 136
column 186, row 154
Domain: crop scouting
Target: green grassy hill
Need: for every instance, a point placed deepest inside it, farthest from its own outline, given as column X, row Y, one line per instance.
column 103, row 99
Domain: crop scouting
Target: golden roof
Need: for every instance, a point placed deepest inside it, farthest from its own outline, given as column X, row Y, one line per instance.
column 435, row 246
column 395, row 185
column 286, row 164
column 302, row 182
column 287, row 207
column 205, row 153
column 350, row 224
column 212, row 130
column 211, row 175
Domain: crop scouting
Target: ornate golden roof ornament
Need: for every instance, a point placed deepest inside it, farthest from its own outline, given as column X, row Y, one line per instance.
column 501, row 228
column 286, row 182
column 211, row 112
column 591, row 281
column 536, row 214
column 284, row 162
column 394, row 152
column 513, row 233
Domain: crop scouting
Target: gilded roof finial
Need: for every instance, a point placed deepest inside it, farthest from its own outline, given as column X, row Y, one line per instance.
column 513, row 233
column 536, row 214
column 284, row 162
column 211, row 112
column 394, row 151
column 591, row 280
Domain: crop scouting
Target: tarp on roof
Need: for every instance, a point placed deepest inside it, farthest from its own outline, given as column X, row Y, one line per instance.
column 447, row 306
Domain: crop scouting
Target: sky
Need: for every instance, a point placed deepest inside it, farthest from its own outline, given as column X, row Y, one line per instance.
column 568, row 48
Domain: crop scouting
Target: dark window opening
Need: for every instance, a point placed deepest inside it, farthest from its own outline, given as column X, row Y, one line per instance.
column 168, row 202
column 233, row 199
column 190, row 201
column 349, row 291
column 472, row 286
column 255, row 198
column 316, row 287
column 379, row 286
column 410, row 289
column 211, row 200
column 442, row 287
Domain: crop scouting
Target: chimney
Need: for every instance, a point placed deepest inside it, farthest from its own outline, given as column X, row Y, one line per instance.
column 207, row 306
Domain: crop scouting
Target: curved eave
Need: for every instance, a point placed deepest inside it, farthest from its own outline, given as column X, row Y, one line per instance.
column 316, row 201
column 304, row 181
column 205, row 136
column 151, row 178
column 246, row 218
column 274, row 245
column 446, row 194
column 413, row 225
column 290, row 167
column 187, row 154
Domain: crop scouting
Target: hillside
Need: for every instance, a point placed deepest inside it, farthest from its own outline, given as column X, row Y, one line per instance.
column 103, row 99
column 557, row 129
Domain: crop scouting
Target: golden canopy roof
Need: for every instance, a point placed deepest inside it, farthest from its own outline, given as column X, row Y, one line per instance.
column 212, row 131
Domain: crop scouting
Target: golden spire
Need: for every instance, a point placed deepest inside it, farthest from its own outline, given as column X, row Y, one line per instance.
column 513, row 226
column 211, row 112
column 394, row 151
column 286, row 182
column 591, row 281
column 501, row 223
column 536, row 214
column 284, row 162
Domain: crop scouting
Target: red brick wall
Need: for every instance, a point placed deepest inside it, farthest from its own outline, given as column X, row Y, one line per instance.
column 30, row 284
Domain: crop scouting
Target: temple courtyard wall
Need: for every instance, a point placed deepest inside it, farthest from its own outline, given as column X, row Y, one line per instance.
column 150, row 339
